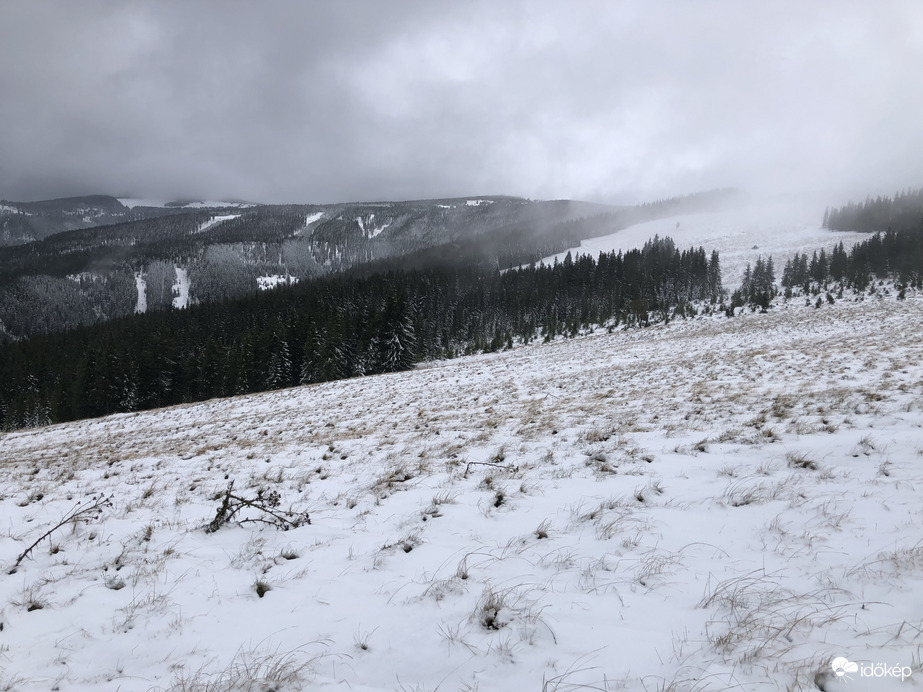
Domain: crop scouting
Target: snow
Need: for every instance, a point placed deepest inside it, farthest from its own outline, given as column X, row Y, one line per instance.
column 265, row 283
column 313, row 218
column 214, row 203
column 708, row 505
column 478, row 202
column 309, row 221
column 367, row 227
column 141, row 284
column 215, row 220
column 740, row 236
column 181, row 289
column 8, row 208
column 132, row 202
column 375, row 232
column 86, row 276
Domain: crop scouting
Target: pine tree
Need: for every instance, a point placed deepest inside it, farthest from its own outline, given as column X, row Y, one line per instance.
column 279, row 368
column 714, row 278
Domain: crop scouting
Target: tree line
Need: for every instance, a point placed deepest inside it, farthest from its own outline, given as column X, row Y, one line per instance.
column 878, row 214
column 896, row 254
column 339, row 326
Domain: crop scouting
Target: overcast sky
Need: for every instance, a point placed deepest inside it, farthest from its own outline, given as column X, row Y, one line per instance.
column 346, row 100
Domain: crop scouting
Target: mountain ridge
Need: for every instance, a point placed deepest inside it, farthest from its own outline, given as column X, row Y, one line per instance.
column 98, row 270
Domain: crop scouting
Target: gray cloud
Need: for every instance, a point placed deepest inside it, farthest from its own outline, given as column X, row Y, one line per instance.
column 364, row 99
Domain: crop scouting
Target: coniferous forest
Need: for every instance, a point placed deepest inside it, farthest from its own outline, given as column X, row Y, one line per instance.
column 903, row 210
column 337, row 327
column 894, row 250
column 82, row 261
column 388, row 314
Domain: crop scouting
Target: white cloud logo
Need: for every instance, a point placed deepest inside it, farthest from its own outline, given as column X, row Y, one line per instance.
column 841, row 666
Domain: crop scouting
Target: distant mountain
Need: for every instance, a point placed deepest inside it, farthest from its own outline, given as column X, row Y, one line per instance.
column 25, row 222
column 82, row 260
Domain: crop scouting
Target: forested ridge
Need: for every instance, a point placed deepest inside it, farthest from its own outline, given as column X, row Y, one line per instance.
column 894, row 250
column 385, row 314
column 895, row 256
column 336, row 327
column 93, row 274
column 904, row 210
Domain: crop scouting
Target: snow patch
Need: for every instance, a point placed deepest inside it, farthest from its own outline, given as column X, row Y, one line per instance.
column 478, row 202
column 309, row 221
column 215, row 220
column 141, row 285
column 181, row 289
column 264, row 283
column 8, row 208
column 375, row 232
column 85, row 276
column 313, row 218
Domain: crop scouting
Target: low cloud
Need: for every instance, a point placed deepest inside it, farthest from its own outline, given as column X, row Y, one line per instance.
column 369, row 100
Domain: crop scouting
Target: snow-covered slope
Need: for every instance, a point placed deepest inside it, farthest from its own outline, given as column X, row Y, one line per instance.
column 740, row 235
column 265, row 283
column 714, row 504
column 141, row 286
column 215, row 220
column 181, row 289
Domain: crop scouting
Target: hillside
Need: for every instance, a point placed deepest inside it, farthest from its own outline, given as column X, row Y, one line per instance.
column 714, row 504
column 26, row 222
column 742, row 234
column 134, row 258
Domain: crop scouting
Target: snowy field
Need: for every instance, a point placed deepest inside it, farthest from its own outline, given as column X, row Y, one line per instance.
column 709, row 505
column 740, row 235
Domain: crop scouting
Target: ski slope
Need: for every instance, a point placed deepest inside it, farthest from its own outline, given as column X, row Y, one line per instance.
column 709, row 505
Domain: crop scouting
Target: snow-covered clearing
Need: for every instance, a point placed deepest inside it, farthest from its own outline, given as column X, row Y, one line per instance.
column 478, row 202
column 309, row 222
column 375, row 231
column 740, row 236
column 85, row 276
column 367, row 227
column 141, row 285
column 215, row 220
column 181, row 289
column 313, row 218
column 709, row 505
column 264, row 283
